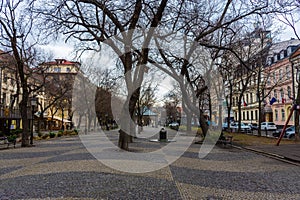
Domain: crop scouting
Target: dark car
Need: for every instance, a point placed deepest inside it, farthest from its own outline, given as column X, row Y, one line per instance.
column 287, row 130
column 253, row 126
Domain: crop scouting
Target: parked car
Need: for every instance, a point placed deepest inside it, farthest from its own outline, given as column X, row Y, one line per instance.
column 268, row 126
column 253, row 126
column 224, row 126
column 289, row 132
column 174, row 125
column 234, row 126
column 244, row 127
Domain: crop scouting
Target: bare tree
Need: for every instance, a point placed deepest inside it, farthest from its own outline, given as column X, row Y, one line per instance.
column 16, row 36
column 73, row 18
column 145, row 102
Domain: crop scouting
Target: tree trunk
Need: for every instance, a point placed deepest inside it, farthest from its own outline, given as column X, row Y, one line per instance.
column 297, row 126
column 25, row 121
column 79, row 121
column 188, row 122
column 203, row 124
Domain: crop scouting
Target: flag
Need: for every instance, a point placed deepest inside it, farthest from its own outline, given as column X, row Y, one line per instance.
column 245, row 103
column 283, row 100
column 273, row 100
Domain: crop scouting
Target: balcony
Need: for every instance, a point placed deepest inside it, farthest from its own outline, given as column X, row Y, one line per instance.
column 6, row 113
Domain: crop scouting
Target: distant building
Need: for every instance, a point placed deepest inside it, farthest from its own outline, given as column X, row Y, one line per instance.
column 279, row 101
column 278, row 74
column 60, row 75
column 10, row 117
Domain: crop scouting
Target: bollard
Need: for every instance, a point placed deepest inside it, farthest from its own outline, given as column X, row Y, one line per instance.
column 163, row 135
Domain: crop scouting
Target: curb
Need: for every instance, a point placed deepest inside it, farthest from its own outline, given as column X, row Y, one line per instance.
column 270, row 155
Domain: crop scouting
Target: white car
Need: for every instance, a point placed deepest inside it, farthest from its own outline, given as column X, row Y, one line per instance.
column 244, row 128
column 268, row 126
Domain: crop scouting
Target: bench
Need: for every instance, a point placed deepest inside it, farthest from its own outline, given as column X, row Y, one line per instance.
column 4, row 141
column 224, row 140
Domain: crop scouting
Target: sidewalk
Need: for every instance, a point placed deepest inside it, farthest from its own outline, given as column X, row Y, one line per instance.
column 289, row 152
column 63, row 168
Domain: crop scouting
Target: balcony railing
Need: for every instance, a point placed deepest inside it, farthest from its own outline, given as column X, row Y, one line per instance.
column 6, row 113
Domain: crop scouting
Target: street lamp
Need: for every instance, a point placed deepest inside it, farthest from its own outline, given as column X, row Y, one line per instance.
column 33, row 102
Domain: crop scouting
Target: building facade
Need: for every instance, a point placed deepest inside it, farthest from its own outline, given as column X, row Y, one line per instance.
column 278, row 75
column 57, row 110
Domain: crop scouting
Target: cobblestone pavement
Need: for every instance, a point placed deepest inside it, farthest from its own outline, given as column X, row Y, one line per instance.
column 62, row 168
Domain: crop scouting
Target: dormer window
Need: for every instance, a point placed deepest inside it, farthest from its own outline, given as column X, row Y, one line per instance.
column 275, row 58
column 269, row 61
column 281, row 55
column 289, row 51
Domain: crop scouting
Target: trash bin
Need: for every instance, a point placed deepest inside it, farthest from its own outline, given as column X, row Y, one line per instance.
column 162, row 135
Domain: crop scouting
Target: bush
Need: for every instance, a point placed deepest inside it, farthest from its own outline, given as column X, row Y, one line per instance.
column 45, row 136
column 59, row 134
column 52, row 135
column 39, row 134
column 12, row 138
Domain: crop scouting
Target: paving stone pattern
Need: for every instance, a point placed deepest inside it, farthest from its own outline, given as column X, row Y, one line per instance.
column 62, row 168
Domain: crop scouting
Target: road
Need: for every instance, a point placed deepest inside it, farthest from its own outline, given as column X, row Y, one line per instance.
column 62, row 168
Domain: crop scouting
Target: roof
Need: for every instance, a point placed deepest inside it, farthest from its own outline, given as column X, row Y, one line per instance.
column 277, row 47
column 149, row 113
column 61, row 62
column 296, row 52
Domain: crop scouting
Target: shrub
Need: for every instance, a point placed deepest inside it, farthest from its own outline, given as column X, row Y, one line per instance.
column 59, row 134
column 45, row 136
column 52, row 135
column 39, row 134
column 73, row 132
column 12, row 138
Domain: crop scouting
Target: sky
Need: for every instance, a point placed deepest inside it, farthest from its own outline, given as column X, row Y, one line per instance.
column 63, row 50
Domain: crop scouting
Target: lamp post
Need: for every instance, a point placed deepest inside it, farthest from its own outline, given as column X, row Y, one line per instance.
column 33, row 102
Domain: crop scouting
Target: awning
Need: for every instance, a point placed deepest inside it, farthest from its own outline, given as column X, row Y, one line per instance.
column 59, row 119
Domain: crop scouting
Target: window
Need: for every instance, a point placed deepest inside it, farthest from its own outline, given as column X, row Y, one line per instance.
column 276, row 115
column 247, row 98
column 275, row 58
column 251, row 114
column 282, row 115
column 251, row 98
column 274, row 77
column 5, row 78
column 57, row 69
column 256, row 114
column 269, row 80
column 281, row 54
column 289, row 91
column 68, row 69
column 244, row 115
column 275, row 93
column 281, row 93
column 4, row 99
column 288, row 72
column 289, row 51
column 247, row 115
column 280, row 74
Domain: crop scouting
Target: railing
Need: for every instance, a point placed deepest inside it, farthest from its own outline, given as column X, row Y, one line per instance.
column 6, row 113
